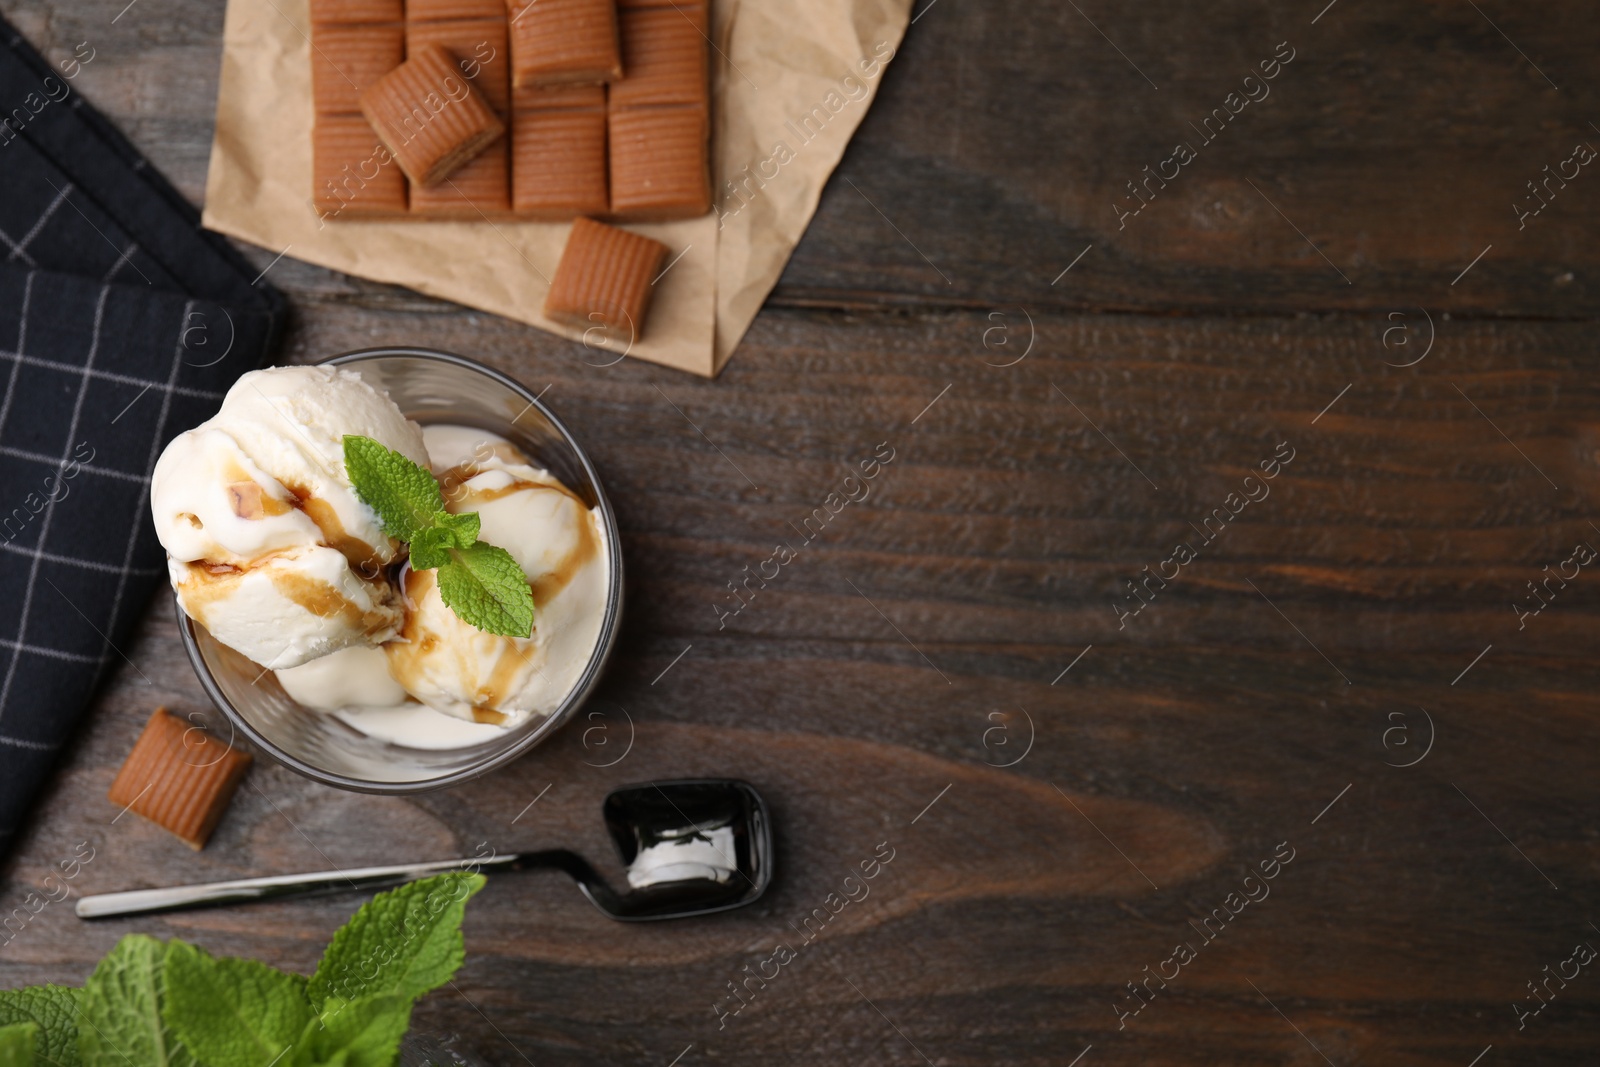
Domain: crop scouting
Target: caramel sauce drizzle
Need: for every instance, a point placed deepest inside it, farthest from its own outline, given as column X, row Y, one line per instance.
column 547, row 585
column 366, row 559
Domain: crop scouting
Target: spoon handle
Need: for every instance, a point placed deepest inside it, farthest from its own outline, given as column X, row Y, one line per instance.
column 273, row 887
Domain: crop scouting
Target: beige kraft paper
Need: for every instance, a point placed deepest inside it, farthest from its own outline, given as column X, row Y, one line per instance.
column 791, row 81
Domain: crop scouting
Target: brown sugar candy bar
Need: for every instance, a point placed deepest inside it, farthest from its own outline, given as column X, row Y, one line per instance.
column 480, row 50
column 558, row 164
column 563, row 42
column 179, row 777
column 353, row 172
column 658, row 125
column 430, row 116
column 347, row 59
column 604, row 280
column 659, row 165
column 558, row 152
column 664, row 55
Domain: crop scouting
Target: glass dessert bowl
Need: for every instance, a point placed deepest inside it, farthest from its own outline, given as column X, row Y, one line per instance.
column 433, row 389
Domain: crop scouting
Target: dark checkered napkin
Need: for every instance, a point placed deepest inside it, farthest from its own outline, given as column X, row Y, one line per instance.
column 122, row 323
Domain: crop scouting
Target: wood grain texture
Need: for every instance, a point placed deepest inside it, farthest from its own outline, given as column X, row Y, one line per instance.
column 1049, row 444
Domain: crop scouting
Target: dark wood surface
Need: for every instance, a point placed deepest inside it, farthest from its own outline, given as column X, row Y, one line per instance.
column 1262, row 698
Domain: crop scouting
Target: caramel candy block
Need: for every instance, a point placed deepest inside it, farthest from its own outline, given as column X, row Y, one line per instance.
column 563, row 42
column 356, row 11
column 430, row 116
column 480, row 188
column 353, row 172
column 480, row 51
column 179, row 777
column 434, row 10
column 659, row 164
column 664, row 54
column 604, row 280
column 558, row 163
column 348, row 59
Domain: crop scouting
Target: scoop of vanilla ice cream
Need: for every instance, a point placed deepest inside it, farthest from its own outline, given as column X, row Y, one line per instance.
column 357, row 676
column 269, row 547
column 281, row 429
column 289, row 607
column 559, row 543
column 213, row 503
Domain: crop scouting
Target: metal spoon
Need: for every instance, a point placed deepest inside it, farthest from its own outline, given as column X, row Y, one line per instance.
column 689, row 847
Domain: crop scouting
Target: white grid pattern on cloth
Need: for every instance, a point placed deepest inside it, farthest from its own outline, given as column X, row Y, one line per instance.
column 58, row 278
column 73, row 561
column 22, row 343
column 20, row 646
column 16, row 250
column 49, row 653
column 19, row 250
column 126, row 258
column 50, row 511
column 150, row 463
column 17, row 742
column 40, row 457
column 101, row 375
column 17, row 647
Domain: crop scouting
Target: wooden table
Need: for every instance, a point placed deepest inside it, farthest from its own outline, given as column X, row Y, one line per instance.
column 953, row 669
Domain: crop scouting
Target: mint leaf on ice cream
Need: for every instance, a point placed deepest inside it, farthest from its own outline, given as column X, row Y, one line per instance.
column 482, row 584
column 405, row 496
column 431, row 548
column 461, row 529
column 486, row 587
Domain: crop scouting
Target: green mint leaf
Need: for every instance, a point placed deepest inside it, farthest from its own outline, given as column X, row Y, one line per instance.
column 405, row 496
column 121, row 1021
column 54, row 1009
column 354, row 1033
column 404, row 942
column 486, row 587
column 17, row 1043
column 463, row 528
column 482, row 584
column 232, row 1013
column 431, row 547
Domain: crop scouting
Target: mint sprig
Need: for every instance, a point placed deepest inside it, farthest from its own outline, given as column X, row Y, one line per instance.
column 480, row 582
column 151, row 1003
